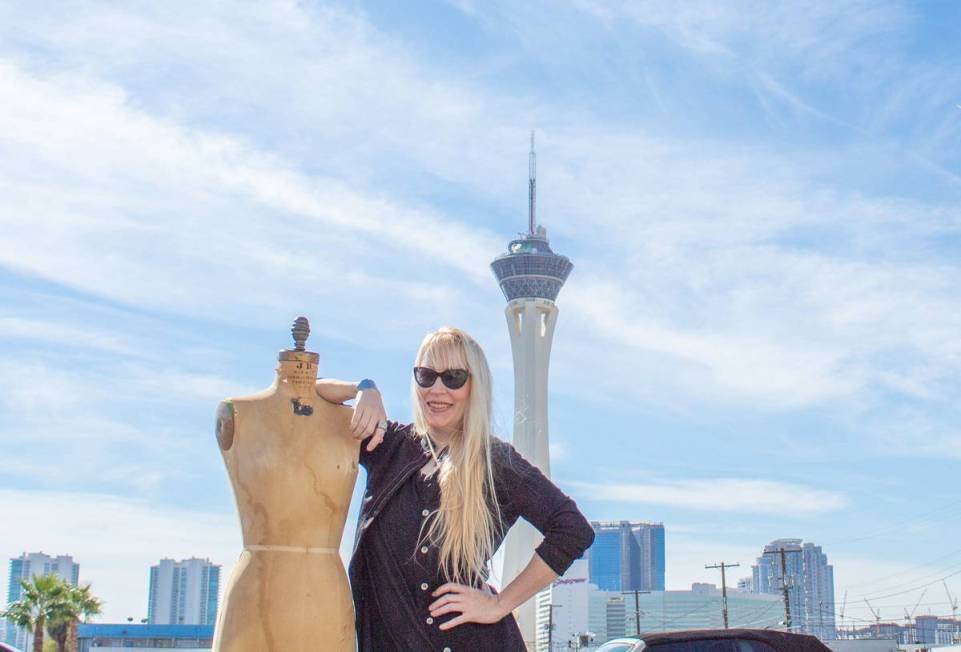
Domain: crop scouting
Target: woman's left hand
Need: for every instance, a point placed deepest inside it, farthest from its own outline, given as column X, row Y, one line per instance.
column 474, row 605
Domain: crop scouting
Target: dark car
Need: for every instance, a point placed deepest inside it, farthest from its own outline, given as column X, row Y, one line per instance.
column 718, row 640
column 6, row 648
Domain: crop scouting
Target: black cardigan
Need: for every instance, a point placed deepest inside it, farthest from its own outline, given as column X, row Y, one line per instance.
column 521, row 489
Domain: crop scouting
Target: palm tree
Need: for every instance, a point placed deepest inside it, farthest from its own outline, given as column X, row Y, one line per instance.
column 59, row 629
column 87, row 605
column 43, row 597
column 62, row 625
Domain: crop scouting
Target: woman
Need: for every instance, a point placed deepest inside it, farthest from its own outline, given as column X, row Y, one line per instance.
column 441, row 495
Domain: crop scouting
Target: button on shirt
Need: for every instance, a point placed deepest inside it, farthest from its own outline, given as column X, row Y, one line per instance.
column 393, row 563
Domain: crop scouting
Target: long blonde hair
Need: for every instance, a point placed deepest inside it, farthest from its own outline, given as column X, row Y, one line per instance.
column 464, row 528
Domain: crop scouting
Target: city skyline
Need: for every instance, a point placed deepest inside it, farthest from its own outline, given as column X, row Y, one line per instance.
column 575, row 605
column 759, row 341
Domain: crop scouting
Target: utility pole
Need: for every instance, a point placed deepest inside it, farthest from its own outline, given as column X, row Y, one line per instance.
column 637, row 609
column 844, row 603
column 723, row 566
column 550, row 626
column 786, row 588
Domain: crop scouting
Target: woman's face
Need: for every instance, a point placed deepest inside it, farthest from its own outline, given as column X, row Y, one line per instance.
column 443, row 407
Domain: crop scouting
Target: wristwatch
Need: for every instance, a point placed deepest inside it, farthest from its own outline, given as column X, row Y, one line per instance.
column 366, row 383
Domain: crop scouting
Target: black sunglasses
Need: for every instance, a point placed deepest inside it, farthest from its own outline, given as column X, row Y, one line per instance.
column 452, row 378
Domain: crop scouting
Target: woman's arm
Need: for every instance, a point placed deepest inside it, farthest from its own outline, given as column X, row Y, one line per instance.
column 535, row 576
column 477, row 606
column 532, row 496
column 567, row 534
column 369, row 411
column 336, row 391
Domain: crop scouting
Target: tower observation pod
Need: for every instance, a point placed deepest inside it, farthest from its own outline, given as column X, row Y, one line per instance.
column 531, row 275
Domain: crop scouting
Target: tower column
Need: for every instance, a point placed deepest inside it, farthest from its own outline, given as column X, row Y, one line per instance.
column 531, row 275
column 531, row 326
column 531, row 323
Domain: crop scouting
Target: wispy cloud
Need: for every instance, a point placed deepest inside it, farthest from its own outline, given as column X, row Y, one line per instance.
column 137, row 169
column 756, row 307
column 69, row 334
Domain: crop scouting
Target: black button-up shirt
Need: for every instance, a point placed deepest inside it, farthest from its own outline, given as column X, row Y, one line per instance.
column 392, row 564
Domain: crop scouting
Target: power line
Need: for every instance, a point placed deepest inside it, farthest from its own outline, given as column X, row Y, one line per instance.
column 916, row 588
column 906, row 571
column 942, row 573
column 674, row 619
column 934, row 514
column 760, row 617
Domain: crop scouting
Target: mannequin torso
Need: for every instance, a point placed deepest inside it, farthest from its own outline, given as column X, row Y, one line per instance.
column 292, row 465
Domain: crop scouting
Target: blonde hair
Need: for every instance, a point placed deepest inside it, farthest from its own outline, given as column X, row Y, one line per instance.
column 465, row 526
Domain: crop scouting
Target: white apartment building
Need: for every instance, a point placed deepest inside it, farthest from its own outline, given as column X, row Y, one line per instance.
column 183, row 592
column 28, row 565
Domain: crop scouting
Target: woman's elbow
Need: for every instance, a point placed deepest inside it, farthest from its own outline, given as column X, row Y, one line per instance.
column 585, row 535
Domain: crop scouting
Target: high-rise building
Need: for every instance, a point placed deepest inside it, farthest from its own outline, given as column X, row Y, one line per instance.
column 804, row 570
column 26, row 566
column 650, row 542
column 183, row 592
column 531, row 275
column 627, row 556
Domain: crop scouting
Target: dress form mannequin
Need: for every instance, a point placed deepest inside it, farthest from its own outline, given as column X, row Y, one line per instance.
column 292, row 465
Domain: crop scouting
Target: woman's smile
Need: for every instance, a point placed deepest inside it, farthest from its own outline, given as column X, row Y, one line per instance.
column 439, row 406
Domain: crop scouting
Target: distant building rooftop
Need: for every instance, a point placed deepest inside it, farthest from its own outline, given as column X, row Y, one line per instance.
column 105, row 637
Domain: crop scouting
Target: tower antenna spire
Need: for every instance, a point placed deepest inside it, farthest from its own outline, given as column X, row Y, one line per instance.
column 532, row 189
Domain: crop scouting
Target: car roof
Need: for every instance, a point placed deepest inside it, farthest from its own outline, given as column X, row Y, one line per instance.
column 783, row 641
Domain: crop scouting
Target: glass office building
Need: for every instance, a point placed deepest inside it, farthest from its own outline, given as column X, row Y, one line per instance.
column 627, row 556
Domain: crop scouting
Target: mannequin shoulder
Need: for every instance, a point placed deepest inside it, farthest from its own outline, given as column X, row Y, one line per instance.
column 225, row 424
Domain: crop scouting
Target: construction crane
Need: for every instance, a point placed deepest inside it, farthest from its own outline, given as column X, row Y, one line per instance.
column 909, row 616
column 877, row 618
column 954, row 613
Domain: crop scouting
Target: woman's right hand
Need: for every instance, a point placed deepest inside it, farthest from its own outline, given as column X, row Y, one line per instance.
column 369, row 413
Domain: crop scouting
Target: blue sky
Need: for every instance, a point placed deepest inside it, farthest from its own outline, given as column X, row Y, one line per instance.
column 759, row 338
